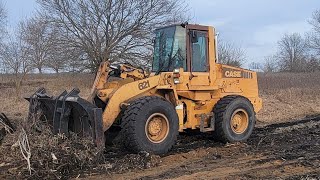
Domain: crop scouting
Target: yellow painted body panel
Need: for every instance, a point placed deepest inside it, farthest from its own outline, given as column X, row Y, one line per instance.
column 123, row 95
column 195, row 94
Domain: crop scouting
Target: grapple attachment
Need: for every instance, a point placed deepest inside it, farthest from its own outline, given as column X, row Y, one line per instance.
column 68, row 112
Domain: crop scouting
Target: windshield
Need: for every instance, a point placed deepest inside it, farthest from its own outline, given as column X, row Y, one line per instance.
column 169, row 49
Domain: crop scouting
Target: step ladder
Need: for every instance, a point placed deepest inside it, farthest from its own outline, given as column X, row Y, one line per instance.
column 203, row 117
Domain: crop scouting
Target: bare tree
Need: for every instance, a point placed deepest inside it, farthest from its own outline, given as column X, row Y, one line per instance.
column 3, row 21
column 255, row 66
column 314, row 37
column 313, row 63
column 292, row 53
column 58, row 58
column 48, row 48
column 118, row 30
column 230, row 54
column 37, row 33
column 14, row 54
column 3, row 32
column 63, row 57
column 270, row 64
column 57, row 53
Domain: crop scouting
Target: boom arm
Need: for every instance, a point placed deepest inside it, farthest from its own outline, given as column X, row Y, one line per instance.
column 124, row 94
column 100, row 80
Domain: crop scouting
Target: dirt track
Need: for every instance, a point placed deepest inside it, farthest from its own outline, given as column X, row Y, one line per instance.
column 287, row 150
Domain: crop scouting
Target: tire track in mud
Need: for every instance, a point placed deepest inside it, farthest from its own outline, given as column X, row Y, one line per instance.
column 289, row 150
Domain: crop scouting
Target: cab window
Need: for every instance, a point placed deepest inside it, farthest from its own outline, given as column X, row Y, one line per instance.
column 199, row 53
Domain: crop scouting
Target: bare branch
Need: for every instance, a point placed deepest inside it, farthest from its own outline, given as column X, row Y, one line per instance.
column 230, row 54
column 292, row 53
column 114, row 30
column 314, row 37
column 39, row 36
column 15, row 56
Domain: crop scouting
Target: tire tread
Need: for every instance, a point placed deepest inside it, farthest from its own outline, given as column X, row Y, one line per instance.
column 219, row 110
column 129, row 138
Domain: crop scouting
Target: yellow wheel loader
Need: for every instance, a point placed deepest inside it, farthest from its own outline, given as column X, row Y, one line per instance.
column 186, row 89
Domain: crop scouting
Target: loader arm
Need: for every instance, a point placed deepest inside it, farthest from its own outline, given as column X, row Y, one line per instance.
column 124, row 94
column 100, row 79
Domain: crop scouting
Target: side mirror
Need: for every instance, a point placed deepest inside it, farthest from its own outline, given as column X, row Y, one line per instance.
column 194, row 36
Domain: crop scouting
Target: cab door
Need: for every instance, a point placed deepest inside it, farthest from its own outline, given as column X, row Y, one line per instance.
column 199, row 66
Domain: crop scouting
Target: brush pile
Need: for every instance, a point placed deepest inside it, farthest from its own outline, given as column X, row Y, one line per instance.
column 33, row 152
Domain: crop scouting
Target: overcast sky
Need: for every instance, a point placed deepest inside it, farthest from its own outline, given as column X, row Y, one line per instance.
column 256, row 25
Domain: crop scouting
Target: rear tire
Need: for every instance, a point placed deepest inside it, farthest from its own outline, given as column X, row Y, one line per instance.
column 234, row 119
column 149, row 124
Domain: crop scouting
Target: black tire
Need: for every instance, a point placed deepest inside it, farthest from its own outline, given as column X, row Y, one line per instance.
column 134, row 132
column 112, row 136
column 224, row 111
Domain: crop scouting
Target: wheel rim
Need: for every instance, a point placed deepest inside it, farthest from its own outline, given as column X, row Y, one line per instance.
column 239, row 121
column 157, row 127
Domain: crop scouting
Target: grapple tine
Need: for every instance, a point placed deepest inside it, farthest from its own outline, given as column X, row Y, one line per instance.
column 34, row 103
column 68, row 112
column 98, row 130
column 58, row 115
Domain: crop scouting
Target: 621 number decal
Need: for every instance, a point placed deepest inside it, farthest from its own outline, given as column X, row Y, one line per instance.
column 143, row 85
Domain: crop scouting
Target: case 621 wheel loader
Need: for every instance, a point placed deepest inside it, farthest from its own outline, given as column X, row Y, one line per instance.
column 186, row 89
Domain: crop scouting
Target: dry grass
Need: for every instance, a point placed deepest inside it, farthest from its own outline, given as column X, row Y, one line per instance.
column 288, row 96
column 277, row 81
column 285, row 96
column 55, row 84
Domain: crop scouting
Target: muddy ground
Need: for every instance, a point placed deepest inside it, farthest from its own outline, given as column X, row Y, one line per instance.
column 288, row 151
column 278, row 151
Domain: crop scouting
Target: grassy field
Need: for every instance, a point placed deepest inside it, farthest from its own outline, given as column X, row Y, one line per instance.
column 288, row 96
column 17, row 107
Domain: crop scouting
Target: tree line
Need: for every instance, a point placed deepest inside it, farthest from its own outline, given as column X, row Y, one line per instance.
column 296, row 52
column 76, row 36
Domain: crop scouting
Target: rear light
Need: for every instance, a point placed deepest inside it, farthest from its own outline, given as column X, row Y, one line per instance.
column 176, row 76
column 176, row 80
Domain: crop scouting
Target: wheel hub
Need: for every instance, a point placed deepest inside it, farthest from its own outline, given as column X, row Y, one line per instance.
column 239, row 121
column 157, row 127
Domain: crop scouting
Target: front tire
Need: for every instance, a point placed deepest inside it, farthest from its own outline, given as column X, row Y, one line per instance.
column 150, row 124
column 234, row 119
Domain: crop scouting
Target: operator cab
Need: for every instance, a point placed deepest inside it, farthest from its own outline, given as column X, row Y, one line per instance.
column 181, row 46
